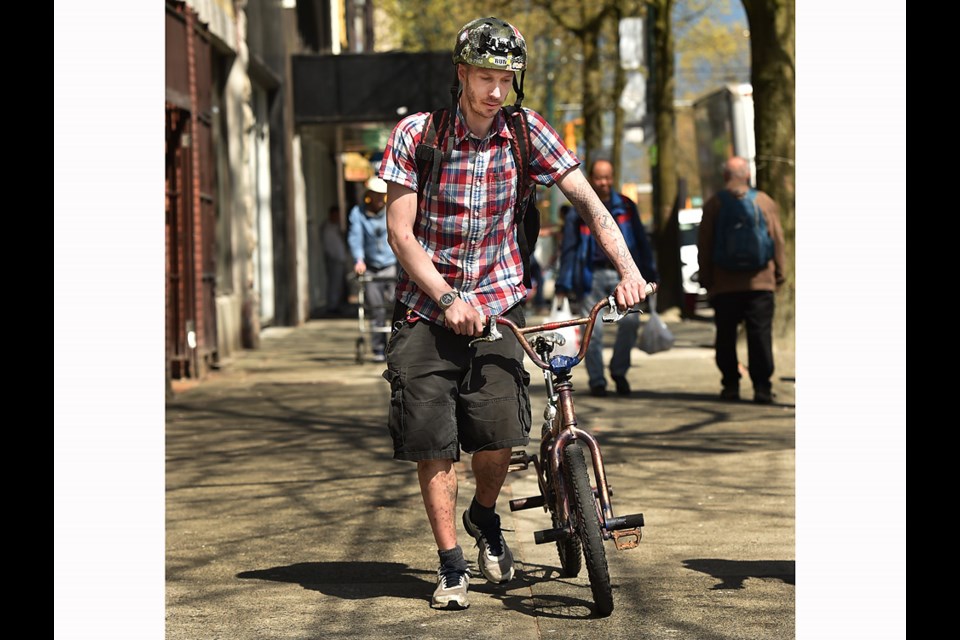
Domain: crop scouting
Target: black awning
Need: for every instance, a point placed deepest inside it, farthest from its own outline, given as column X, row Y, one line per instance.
column 369, row 87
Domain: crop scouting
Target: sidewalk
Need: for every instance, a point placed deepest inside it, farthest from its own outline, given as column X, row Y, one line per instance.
column 286, row 516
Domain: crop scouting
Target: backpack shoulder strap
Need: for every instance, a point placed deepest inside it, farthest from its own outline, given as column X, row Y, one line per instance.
column 520, row 144
column 751, row 197
column 428, row 155
column 525, row 216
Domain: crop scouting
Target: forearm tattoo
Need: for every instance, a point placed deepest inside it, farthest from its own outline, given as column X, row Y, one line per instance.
column 607, row 233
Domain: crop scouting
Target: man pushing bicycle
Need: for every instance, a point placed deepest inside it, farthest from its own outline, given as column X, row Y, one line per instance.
column 460, row 261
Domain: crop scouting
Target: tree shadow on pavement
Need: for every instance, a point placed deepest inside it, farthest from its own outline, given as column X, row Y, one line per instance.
column 364, row 580
column 684, row 396
column 520, row 596
column 733, row 573
column 352, row 580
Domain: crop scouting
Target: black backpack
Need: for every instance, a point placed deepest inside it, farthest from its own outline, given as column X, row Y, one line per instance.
column 526, row 215
column 741, row 240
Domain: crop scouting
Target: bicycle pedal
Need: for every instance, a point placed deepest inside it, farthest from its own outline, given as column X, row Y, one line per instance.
column 519, row 504
column 549, row 535
column 519, row 461
column 627, row 538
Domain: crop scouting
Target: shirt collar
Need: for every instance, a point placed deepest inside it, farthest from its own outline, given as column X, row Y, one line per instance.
column 498, row 127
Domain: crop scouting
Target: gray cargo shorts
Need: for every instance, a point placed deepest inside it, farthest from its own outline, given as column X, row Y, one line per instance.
column 446, row 395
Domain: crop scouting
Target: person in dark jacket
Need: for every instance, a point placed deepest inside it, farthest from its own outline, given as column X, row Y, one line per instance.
column 586, row 273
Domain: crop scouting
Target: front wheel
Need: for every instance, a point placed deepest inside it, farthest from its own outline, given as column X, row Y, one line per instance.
column 583, row 504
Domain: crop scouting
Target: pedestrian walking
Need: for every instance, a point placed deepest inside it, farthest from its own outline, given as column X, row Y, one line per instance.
column 591, row 276
column 741, row 259
column 373, row 256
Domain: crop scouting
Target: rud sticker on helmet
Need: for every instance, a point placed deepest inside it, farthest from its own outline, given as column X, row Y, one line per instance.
column 491, row 43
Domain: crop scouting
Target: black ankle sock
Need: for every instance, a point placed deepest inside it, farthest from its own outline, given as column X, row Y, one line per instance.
column 453, row 558
column 481, row 515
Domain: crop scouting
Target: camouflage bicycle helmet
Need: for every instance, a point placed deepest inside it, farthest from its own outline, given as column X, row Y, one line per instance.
column 491, row 43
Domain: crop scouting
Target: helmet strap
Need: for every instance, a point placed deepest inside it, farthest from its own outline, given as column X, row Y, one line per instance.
column 446, row 145
column 518, row 88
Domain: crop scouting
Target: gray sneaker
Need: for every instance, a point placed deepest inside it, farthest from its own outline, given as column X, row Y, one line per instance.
column 451, row 591
column 495, row 559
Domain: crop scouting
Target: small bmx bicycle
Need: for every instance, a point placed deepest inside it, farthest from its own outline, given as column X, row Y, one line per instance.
column 580, row 510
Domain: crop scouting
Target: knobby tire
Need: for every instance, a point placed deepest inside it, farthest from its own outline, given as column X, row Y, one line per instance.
column 583, row 505
column 568, row 548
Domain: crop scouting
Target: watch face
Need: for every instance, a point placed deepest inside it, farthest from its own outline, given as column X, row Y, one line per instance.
column 447, row 299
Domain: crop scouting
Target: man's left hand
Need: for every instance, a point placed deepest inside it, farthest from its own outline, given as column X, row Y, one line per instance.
column 631, row 291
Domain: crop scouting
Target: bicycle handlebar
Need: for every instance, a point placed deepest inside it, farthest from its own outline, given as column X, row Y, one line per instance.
column 559, row 361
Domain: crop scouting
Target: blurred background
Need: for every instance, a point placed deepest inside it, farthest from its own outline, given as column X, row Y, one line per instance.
column 277, row 112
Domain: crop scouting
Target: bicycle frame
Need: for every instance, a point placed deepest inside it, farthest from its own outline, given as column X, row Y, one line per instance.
column 564, row 431
column 560, row 429
column 582, row 514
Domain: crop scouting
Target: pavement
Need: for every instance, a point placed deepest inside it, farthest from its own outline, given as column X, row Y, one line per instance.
column 287, row 518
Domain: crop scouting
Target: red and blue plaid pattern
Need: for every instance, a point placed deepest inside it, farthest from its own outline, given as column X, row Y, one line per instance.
column 466, row 225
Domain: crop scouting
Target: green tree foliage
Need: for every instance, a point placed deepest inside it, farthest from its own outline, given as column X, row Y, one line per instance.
column 428, row 25
column 585, row 22
column 712, row 47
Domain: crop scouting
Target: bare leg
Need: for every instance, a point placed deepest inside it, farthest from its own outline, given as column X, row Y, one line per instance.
column 490, row 470
column 438, row 486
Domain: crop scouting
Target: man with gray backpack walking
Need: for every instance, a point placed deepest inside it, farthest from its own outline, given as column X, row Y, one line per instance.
column 741, row 259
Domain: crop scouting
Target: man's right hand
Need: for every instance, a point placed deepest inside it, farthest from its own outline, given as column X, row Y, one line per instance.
column 360, row 267
column 463, row 319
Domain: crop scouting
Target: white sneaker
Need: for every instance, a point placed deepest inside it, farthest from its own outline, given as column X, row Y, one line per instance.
column 451, row 591
column 495, row 558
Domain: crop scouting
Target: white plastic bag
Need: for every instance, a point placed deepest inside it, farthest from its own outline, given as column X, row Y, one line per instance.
column 558, row 313
column 655, row 336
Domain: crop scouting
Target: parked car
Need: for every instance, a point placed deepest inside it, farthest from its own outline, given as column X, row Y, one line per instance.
column 694, row 296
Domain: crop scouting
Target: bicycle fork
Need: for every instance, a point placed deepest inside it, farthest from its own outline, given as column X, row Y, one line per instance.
column 625, row 530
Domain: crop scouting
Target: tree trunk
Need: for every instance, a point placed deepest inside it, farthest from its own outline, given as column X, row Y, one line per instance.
column 619, row 83
column 592, row 94
column 663, row 164
column 773, row 75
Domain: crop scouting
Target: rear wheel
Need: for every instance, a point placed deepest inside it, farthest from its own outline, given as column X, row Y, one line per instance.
column 583, row 505
column 568, row 548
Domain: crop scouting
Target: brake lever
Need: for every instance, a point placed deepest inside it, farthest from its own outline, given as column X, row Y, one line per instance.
column 614, row 314
column 493, row 334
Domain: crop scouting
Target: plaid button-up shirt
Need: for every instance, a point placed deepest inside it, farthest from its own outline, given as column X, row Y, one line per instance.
column 467, row 226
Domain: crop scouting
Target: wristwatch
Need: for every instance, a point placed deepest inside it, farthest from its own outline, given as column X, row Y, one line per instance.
column 448, row 299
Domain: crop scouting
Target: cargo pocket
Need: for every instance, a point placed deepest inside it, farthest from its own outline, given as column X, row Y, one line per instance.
column 395, row 417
